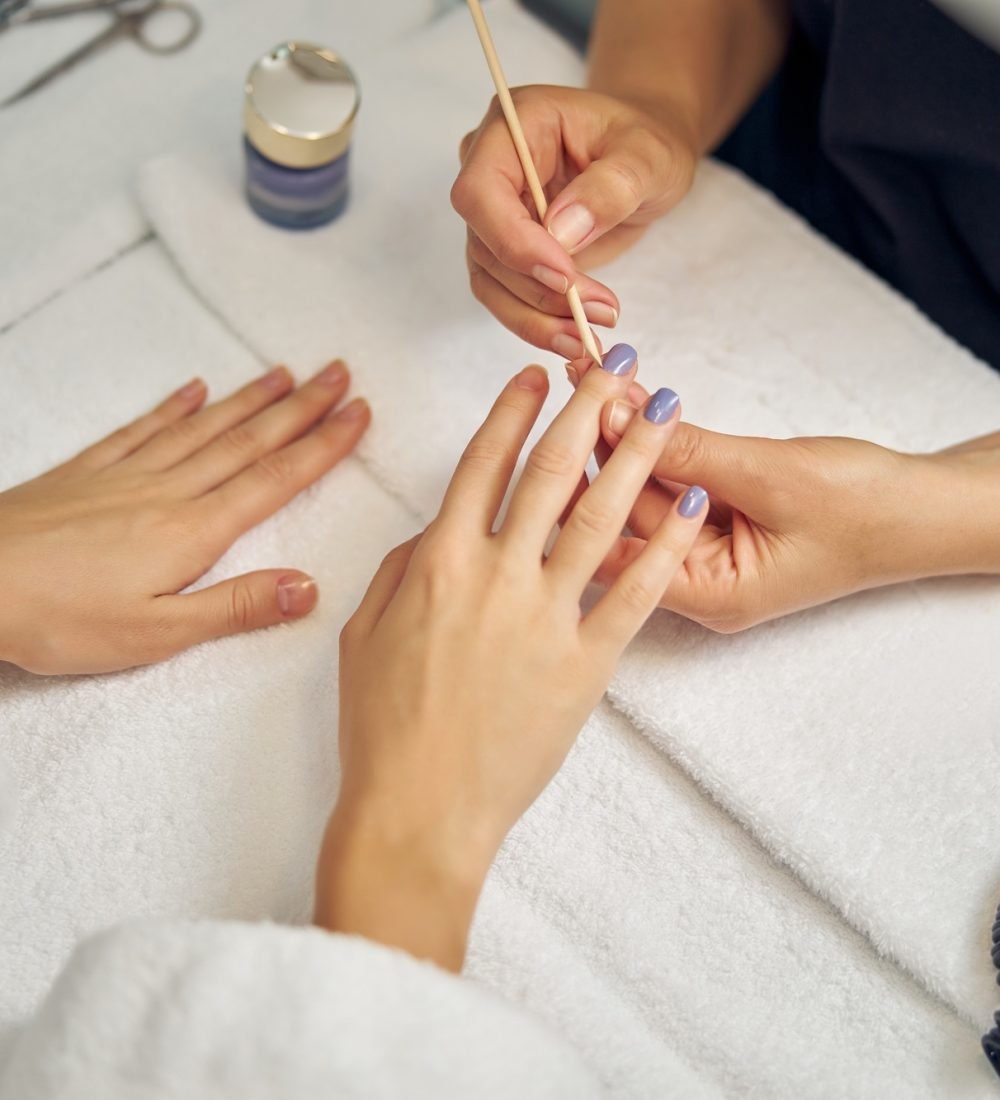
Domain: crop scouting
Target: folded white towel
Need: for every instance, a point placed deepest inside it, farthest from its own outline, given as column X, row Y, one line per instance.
column 857, row 740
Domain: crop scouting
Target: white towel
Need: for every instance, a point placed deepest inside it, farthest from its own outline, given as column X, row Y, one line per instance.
column 626, row 910
column 859, row 740
column 69, row 153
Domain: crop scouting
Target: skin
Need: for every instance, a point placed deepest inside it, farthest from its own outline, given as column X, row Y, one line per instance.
column 102, row 545
column 667, row 82
column 799, row 522
column 408, row 845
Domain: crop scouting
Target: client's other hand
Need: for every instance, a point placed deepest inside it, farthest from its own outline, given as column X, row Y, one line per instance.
column 93, row 553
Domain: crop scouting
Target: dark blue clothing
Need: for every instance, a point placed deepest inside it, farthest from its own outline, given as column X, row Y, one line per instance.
column 883, row 130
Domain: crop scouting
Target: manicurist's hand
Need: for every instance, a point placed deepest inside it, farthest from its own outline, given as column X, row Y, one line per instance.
column 608, row 169
column 469, row 667
column 94, row 553
column 799, row 522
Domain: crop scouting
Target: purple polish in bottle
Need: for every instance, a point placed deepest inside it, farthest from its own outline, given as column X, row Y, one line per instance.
column 299, row 106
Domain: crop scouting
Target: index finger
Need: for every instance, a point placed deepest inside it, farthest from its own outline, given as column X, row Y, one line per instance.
column 488, row 192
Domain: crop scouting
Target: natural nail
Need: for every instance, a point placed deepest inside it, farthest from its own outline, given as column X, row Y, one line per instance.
column 532, row 378
column 569, row 347
column 662, row 406
column 548, row 276
column 572, row 226
column 600, row 313
column 192, row 389
column 332, row 375
column 620, row 359
column 277, row 379
column 693, row 501
column 296, row 595
column 620, row 417
column 353, row 410
column 573, row 375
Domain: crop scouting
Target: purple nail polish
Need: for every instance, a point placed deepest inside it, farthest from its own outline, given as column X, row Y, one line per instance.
column 694, row 500
column 620, row 359
column 662, row 406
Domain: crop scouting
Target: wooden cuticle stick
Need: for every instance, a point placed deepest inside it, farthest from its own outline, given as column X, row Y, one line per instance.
column 527, row 165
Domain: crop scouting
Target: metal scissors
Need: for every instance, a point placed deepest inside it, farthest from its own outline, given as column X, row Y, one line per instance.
column 132, row 19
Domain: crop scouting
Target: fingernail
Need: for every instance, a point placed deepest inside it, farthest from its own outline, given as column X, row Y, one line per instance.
column 693, row 501
column 353, row 410
column 548, row 276
column 569, row 347
column 662, row 406
column 572, row 225
column 532, row 378
column 573, row 375
column 192, row 389
column 600, row 313
column 620, row 417
column 620, row 359
column 276, row 379
column 332, row 375
column 296, row 595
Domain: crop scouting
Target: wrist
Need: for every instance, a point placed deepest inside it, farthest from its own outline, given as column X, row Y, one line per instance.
column 412, row 887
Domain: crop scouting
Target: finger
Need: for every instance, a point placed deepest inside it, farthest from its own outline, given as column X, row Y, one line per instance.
column 597, row 520
column 243, row 444
column 554, row 466
column 384, row 585
column 184, row 437
column 484, row 471
column 635, row 173
column 271, row 482
column 599, row 303
column 631, row 599
column 581, row 487
column 488, row 192
column 555, row 334
column 124, row 441
column 234, row 606
column 637, row 395
column 735, row 469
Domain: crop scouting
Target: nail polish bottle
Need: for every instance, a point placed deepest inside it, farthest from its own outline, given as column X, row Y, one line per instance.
column 299, row 106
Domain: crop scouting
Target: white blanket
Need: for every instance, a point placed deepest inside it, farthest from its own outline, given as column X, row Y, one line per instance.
column 627, row 911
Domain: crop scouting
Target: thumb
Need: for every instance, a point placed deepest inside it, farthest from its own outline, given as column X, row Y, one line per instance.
column 243, row 603
column 633, row 173
column 730, row 468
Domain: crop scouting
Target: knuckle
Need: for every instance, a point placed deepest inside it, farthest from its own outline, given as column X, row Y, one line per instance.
column 625, row 179
column 591, row 517
column 479, row 284
column 276, row 468
column 184, row 431
column 464, row 195
column 685, row 450
column 485, row 455
column 549, row 459
column 241, row 607
column 239, row 440
column 636, row 594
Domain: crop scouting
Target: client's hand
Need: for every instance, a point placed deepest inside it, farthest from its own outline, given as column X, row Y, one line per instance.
column 93, row 553
column 469, row 669
column 798, row 522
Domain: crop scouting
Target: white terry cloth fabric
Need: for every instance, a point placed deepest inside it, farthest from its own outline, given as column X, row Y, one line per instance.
column 69, row 153
column 626, row 911
column 859, row 740
column 237, row 1012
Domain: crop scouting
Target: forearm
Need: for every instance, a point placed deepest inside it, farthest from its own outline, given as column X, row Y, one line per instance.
column 707, row 59
column 402, row 891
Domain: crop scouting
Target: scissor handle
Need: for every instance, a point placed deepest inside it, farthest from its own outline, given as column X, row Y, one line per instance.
column 141, row 13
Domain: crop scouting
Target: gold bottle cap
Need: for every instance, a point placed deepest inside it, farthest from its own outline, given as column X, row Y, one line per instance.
column 299, row 105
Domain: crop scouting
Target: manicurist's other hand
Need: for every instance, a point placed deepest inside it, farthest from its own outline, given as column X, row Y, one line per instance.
column 799, row 522
column 469, row 668
column 94, row 553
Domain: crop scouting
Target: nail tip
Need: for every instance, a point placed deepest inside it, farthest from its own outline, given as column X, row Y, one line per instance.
column 620, row 359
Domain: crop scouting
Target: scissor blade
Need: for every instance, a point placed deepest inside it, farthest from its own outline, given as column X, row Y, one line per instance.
column 68, row 62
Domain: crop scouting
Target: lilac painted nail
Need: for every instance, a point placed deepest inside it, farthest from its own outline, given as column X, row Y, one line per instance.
column 662, row 406
column 694, row 500
column 620, row 359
